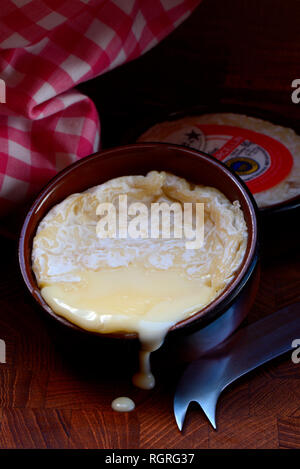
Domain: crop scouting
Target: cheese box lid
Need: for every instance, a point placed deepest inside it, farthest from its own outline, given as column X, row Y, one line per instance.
column 256, row 145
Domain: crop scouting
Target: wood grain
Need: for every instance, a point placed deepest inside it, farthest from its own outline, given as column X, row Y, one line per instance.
column 289, row 432
column 56, row 394
column 33, row 428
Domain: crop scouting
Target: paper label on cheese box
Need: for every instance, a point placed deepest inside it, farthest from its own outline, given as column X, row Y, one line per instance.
column 261, row 161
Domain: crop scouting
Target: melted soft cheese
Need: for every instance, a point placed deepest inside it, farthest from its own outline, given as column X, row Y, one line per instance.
column 123, row 404
column 135, row 285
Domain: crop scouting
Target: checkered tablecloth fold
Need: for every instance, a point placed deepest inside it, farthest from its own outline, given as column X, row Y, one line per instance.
column 47, row 47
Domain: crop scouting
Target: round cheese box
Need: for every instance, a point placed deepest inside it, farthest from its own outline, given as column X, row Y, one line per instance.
column 262, row 152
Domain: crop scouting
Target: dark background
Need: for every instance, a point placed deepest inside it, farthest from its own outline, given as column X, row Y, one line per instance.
column 227, row 51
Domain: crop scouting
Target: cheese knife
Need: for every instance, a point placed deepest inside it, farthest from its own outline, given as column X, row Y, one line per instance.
column 250, row 347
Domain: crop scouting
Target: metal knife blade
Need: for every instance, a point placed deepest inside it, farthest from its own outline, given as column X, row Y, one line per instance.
column 204, row 380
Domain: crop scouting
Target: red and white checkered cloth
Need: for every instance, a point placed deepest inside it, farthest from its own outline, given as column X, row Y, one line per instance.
column 46, row 48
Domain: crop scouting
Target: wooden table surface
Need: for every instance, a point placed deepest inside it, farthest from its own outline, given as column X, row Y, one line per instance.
column 56, row 390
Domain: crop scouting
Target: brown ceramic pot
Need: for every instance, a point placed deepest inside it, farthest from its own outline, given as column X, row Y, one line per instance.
column 193, row 165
